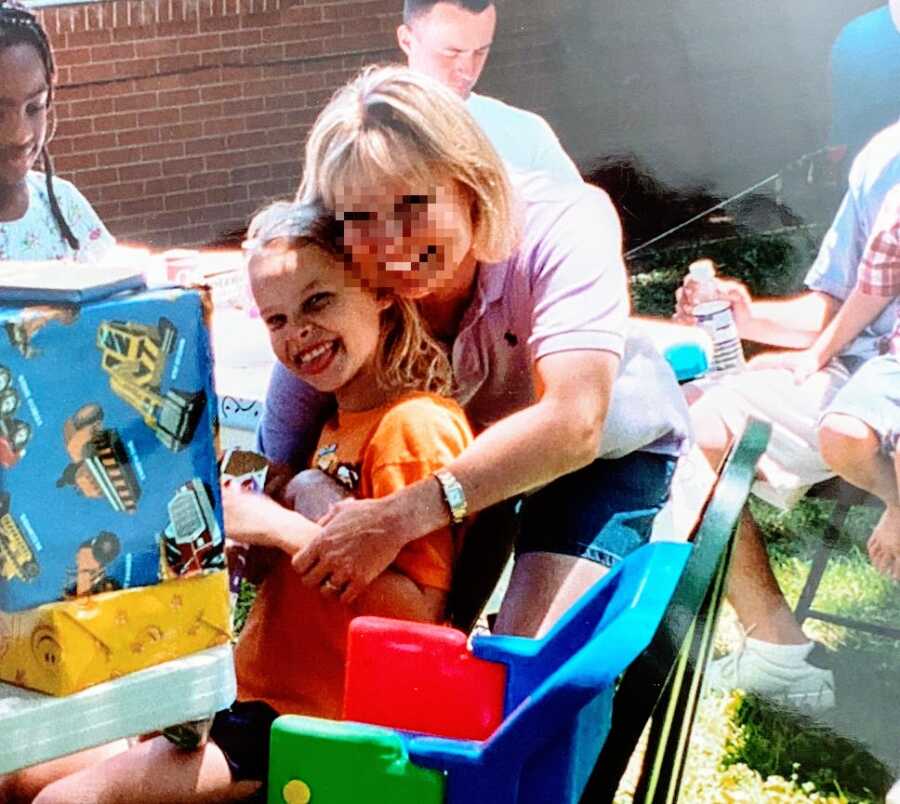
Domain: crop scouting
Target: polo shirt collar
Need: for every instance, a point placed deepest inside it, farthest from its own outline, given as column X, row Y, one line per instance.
column 491, row 282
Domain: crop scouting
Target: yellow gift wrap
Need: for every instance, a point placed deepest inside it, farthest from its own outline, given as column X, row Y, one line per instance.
column 64, row 647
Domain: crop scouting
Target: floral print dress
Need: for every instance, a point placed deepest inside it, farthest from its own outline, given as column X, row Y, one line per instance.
column 37, row 236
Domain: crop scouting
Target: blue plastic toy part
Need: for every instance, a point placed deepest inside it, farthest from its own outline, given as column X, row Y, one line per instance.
column 560, row 690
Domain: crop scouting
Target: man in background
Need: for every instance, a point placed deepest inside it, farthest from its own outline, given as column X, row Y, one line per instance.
column 449, row 40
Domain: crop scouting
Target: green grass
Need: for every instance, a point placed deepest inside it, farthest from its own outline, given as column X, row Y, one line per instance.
column 760, row 752
column 245, row 597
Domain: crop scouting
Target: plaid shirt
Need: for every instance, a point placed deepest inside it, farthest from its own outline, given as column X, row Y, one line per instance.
column 879, row 269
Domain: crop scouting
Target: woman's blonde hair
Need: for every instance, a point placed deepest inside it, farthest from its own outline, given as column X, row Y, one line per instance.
column 408, row 358
column 391, row 124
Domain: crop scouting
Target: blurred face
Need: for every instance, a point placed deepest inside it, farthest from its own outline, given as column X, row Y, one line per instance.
column 449, row 44
column 322, row 327
column 416, row 241
column 24, row 95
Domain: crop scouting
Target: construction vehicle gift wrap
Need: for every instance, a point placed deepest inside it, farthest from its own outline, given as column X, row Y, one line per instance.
column 107, row 447
column 63, row 647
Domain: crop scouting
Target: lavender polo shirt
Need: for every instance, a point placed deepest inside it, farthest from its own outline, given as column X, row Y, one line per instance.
column 564, row 289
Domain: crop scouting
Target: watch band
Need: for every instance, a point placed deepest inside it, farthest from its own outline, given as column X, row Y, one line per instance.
column 453, row 495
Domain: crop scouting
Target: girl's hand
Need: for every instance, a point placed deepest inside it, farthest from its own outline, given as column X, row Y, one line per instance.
column 802, row 364
column 729, row 290
column 245, row 513
column 357, row 543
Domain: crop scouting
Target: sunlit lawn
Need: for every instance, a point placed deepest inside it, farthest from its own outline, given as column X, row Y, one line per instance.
column 747, row 750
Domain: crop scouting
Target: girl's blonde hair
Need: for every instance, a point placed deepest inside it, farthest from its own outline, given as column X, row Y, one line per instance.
column 408, row 358
column 391, row 124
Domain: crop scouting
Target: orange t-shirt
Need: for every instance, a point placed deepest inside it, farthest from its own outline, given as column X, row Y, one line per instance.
column 292, row 651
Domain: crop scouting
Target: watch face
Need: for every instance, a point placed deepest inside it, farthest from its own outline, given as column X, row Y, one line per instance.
column 453, row 494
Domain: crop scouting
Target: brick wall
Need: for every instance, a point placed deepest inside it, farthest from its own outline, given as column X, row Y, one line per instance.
column 179, row 118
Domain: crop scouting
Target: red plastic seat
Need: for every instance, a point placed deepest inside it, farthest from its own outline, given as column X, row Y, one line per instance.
column 423, row 678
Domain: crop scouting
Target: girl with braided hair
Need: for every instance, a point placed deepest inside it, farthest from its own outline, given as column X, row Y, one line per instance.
column 41, row 217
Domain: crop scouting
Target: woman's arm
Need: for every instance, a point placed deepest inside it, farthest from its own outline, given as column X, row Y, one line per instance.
column 557, row 435
column 292, row 419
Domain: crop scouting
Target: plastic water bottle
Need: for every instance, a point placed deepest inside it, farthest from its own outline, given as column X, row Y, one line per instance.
column 716, row 317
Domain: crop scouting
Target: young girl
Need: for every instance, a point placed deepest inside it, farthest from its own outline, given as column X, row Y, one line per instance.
column 391, row 428
column 41, row 217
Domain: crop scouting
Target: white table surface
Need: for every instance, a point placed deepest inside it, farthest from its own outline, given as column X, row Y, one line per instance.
column 35, row 727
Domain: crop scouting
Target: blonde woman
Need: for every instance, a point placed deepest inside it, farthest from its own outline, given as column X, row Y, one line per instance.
column 393, row 426
column 523, row 280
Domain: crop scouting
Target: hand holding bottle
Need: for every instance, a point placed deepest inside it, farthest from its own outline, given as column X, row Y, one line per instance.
column 693, row 292
column 712, row 310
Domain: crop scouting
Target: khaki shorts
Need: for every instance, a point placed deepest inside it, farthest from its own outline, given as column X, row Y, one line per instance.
column 791, row 463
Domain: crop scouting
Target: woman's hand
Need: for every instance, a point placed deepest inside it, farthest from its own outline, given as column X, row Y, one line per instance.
column 802, row 363
column 729, row 290
column 358, row 541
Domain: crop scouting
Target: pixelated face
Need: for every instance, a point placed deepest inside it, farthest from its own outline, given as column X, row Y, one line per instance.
column 24, row 98
column 323, row 327
column 413, row 240
column 449, row 44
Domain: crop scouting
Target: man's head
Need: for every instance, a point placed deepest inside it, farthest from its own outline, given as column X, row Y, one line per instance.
column 448, row 40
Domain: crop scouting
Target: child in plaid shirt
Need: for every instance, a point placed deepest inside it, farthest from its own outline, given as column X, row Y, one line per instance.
column 860, row 430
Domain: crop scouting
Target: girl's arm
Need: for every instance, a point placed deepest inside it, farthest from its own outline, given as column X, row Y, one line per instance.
column 858, row 311
column 556, row 435
column 258, row 520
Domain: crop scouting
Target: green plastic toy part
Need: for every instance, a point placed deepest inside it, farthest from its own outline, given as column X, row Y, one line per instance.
column 315, row 761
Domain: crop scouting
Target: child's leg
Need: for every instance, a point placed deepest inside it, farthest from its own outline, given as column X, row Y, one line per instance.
column 884, row 543
column 393, row 594
column 853, row 449
column 312, row 493
column 152, row 772
column 24, row 785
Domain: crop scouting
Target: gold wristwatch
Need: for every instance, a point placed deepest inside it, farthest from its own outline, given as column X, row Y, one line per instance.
column 454, row 496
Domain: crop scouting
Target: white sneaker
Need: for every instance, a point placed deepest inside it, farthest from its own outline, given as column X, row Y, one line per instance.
column 778, row 672
column 893, row 796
